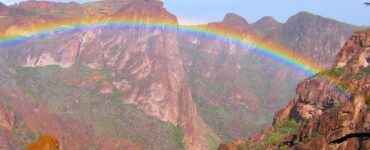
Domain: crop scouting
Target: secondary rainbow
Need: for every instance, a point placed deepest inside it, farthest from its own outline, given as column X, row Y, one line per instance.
column 257, row 45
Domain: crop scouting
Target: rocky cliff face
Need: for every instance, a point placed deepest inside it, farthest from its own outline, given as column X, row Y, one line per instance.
column 329, row 89
column 329, row 106
column 355, row 53
column 147, row 67
column 347, row 114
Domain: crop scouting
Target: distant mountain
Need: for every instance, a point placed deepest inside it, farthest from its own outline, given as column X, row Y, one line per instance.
column 146, row 89
column 266, row 26
column 315, row 37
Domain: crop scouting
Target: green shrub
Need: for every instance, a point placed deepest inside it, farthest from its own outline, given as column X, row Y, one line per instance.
column 28, row 90
column 283, row 148
column 274, row 137
column 106, row 114
column 31, row 135
column 291, row 124
column 336, row 72
column 212, row 142
column 367, row 101
column 341, row 87
column 282, row 130
column 177, row 135
column 316, row 134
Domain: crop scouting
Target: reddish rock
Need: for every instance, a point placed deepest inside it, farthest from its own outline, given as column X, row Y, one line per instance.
column 44, row 143
column 356, row 51
column 6, row 120
column 233, row 146
column 227, row 147
column 146, row 11
column 53, row 7
column 329, row 112
column 333, row 104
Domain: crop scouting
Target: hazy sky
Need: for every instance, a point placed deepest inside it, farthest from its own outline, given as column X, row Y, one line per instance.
column 202, row 11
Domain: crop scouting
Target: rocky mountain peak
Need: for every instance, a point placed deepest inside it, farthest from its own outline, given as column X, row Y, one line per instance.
column 234, row 19
column 47, row 4
column 54, row 7
column 308, row 20
column 267, row 20
column 266, row 25
column 3, row 9
column 146, row 9
column 303, row 15
column 2, row 5
column 355, row 52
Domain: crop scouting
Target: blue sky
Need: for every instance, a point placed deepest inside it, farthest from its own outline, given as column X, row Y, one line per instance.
column 203, row 11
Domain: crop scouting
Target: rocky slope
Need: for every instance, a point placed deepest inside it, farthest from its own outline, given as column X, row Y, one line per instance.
column 187, row 88
column 329, row 107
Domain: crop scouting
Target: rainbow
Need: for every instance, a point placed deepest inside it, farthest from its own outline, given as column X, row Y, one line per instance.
column 267, row 49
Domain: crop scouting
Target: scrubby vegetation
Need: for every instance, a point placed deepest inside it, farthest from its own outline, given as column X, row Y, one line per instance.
column 276, row 134
column 362, row 72
column 104, row 112
column 335, row 72
column 367, row 101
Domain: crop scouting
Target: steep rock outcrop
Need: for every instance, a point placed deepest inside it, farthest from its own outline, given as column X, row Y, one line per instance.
column 334, row 103
column 325, row 90
column 154, row 78
column 356, row 52
column 329, row 106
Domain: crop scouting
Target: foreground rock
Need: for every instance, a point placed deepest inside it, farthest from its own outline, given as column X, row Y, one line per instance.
column 329, row 107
